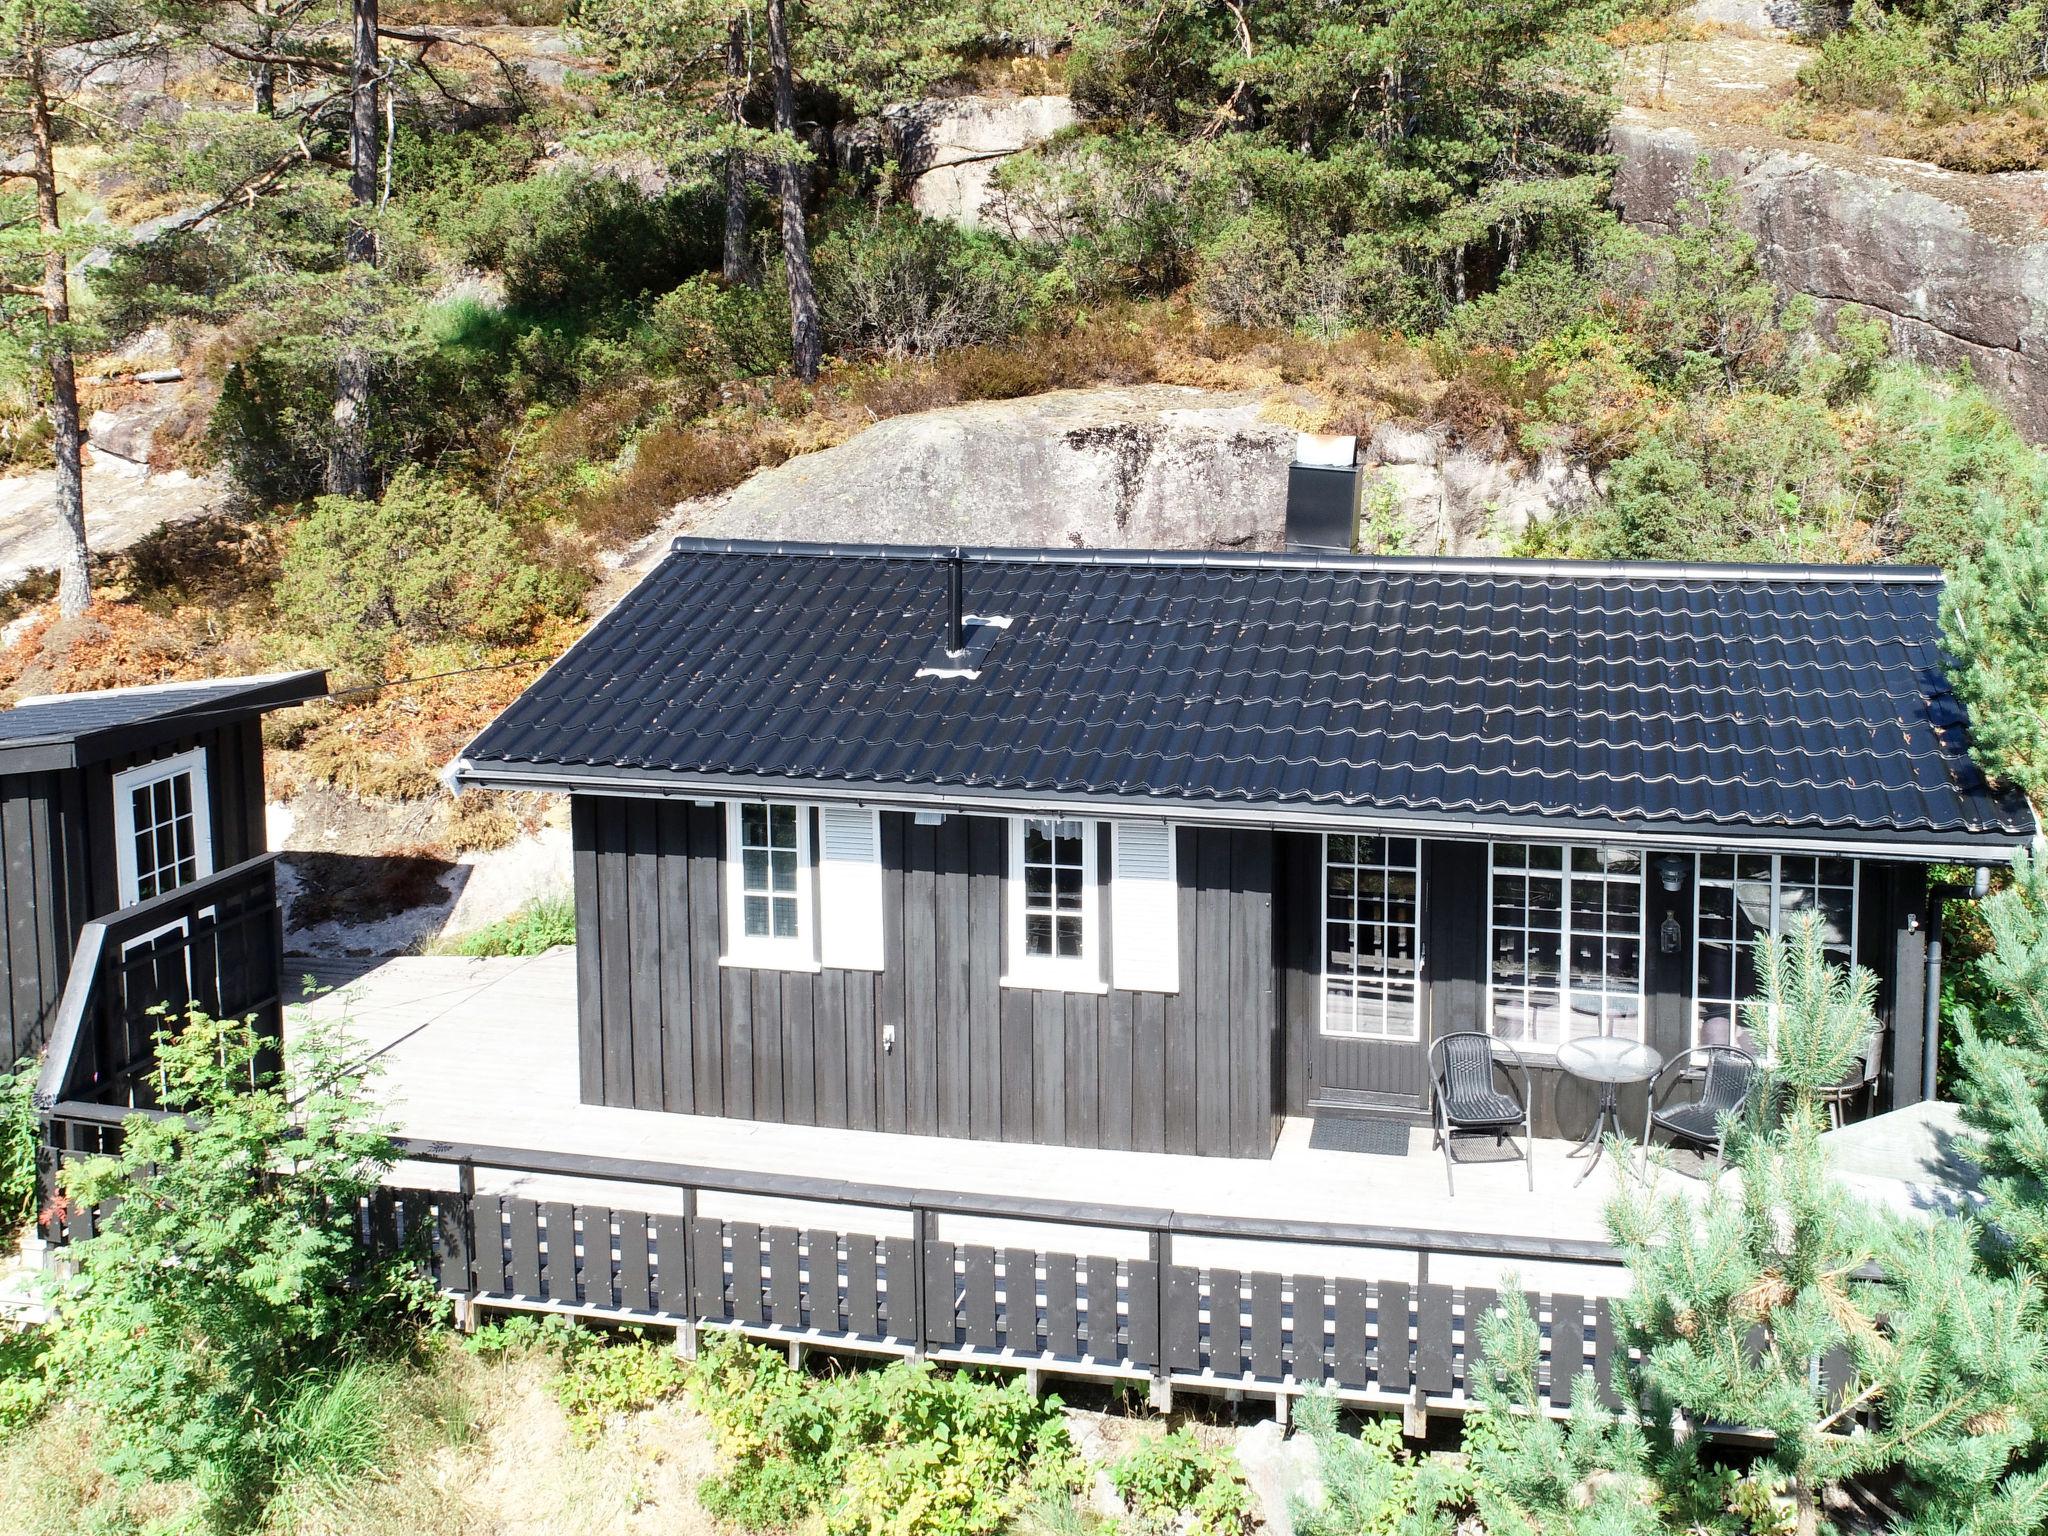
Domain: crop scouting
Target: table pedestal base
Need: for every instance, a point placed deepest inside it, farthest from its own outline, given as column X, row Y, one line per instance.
column 1594, row 1142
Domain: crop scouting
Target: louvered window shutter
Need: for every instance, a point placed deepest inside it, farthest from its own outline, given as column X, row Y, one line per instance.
column 1144, row 907
column 850, row 888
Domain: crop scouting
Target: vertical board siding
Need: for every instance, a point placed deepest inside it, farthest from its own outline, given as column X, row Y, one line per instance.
column 933, row 1043
column 57, row 861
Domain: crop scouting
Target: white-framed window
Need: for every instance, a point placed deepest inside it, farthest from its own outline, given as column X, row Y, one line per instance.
column 163, row 826
column 1055, row 932
column 768, row 885
column 1565, row 943
column 1372, row 937
column 1740, row 903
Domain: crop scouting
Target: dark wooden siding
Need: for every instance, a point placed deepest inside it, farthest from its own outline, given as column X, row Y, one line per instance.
column 57, row 860
column 931, row 1044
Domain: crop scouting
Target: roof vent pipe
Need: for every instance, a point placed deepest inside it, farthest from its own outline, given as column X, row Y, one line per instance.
column 956, row 603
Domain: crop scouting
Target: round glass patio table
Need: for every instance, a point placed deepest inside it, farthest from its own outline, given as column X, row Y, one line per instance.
column 1609, row 1061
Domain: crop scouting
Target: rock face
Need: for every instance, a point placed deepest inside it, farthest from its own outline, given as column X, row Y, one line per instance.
column 950, row 148
column 1154, row 467
column 1957, row 263
column 123, row 502
column 1424, row 498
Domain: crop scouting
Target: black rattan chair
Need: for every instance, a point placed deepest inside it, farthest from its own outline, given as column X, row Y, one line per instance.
column 1464, row 1099
column 1725, row 1074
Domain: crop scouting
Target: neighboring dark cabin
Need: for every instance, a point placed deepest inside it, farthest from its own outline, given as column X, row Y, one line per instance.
column 111, row 798
column 1152, row 850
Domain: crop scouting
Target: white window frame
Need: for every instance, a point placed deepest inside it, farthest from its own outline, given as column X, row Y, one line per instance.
column 1736, row 1005
column 1046, row 973
column 1644, row 874
column 770, row 954
column 1383, row 978
column 145, row 775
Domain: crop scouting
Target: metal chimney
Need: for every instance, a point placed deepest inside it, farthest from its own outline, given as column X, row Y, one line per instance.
column 1322, row 495
column 956, row 603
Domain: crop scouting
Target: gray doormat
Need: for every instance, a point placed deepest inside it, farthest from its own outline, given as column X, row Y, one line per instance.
column 1356, row 1133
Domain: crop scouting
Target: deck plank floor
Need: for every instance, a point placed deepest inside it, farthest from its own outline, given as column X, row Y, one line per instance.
column 484, row 1051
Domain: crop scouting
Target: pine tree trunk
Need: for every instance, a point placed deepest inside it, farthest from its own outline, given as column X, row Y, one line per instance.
column 348, row 467
column 74, row 576
column 737, row 268
column 263, row 86
column 806, row 339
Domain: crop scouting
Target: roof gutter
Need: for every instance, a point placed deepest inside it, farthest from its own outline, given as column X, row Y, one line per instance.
column 463, row 773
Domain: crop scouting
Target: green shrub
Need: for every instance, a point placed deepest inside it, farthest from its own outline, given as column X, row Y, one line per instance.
column 598, row 1374
column 25, row 1385
column 905, row 1449
column 1371, row 1484
column 707, row 333
column 428, row 562
column 1875, row 61
column 21, row 1145
column 1994, row 628
column 226, row 1288
column 895, row 282
column 534, row 929
column 1174, row 1481
column 587, row 243
column 606, row 1375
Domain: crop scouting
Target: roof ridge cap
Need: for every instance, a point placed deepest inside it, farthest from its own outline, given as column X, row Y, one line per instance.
column 1502, row 566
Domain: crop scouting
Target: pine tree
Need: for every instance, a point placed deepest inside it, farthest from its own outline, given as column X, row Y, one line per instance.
column 1740, row 1297
column 1994, row 628
column 2003, row 1055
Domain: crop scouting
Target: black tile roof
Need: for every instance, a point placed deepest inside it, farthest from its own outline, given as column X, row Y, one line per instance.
column 1730, row 702
column 59, row 729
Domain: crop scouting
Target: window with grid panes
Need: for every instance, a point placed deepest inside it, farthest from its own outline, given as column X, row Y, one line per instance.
column 769, row 883
column 166, row 835
column 1053, row 938
column 1565, row 941
column 1745, row 900
column 1372, row 937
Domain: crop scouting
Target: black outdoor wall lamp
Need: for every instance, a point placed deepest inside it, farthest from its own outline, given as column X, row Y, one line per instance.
column 1671, row 869
column 1671, row 872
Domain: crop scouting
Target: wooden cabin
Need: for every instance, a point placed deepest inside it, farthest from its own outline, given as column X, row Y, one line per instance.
column 111, row 799
column 1149, row 851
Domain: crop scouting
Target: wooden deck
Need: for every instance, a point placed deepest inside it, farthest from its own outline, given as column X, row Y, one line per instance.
column 484, row 1051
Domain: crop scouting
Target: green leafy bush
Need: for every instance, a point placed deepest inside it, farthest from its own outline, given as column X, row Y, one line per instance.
column 598, row 1375
column 534, row 929
column 25, row 1385
column 226, row 1289
column 905, row 1449
column 21, row 1145
column 578, row 242
column 895, row 282
column 1174, row 1481
column 428, row 562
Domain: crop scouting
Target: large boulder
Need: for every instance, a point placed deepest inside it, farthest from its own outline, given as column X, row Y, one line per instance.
column 1958, row 264
column 1155, row 467
column 949, row 148
column 1152, row 467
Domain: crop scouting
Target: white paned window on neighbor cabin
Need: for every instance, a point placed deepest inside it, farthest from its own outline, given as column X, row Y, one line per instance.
column 1054, row 932
column 1744, row 901
column 1566, row 944
column 1372, row 938
column 768, row 875
column 162, row 820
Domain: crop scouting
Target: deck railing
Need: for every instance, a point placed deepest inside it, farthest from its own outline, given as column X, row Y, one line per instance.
column 214, row 945
column 1148, row 1307
column 1169, row 1299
